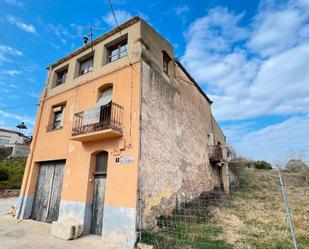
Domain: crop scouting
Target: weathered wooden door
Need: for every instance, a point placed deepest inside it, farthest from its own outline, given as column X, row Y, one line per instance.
column 48, row 191
column 98, row 193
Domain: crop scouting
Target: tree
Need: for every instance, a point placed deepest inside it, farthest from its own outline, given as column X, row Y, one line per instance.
column 261, row 165
column 296, row 163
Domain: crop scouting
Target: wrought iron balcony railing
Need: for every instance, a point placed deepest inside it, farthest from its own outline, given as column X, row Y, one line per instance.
column 99, row 118
column 215, row 153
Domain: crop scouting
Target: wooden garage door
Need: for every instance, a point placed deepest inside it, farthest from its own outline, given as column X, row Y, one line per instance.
column 48, row 191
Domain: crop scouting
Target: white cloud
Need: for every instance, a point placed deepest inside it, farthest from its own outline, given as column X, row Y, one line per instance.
column 59, row 31
column 180, row 10
column 121, row 16
column 17, row 117
column 221, row 56
column 21, row 24
column 6, row 51
column 33, row 94
column 275, row 31
column 17, row 3
column 11, row 72
column 259, row 70
column 275, row 142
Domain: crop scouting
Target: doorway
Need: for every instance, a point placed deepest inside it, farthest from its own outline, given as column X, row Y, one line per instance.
column 99, row 193
column 105, row 104
column 48, row 191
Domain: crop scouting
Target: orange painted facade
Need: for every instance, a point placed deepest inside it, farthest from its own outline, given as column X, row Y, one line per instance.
column 58, row 144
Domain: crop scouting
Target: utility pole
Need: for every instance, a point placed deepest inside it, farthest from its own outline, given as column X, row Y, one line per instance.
column 287, row 209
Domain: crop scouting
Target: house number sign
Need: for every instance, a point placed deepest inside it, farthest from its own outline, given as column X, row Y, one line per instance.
column 124, row 159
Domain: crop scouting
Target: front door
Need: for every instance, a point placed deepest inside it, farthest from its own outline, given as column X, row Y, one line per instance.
column 98, row 193
column 48, row 191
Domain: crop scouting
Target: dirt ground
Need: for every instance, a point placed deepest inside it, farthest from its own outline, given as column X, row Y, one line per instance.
column 29, row 234
column 6, row 204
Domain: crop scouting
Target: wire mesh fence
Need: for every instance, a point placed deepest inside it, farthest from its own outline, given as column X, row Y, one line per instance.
column 252, row 215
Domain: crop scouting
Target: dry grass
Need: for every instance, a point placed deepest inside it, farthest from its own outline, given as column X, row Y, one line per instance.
column 259, row 214
column 252, row 216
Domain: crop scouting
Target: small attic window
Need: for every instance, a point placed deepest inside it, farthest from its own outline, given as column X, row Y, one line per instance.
column 166, row 61
column 61, row 76
column 117, row 51
column 84, row 64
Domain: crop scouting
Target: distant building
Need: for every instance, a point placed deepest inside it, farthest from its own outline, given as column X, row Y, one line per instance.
column 123, row 134
column 16, row 141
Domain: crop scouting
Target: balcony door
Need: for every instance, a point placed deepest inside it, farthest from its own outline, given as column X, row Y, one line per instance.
column 105, row 105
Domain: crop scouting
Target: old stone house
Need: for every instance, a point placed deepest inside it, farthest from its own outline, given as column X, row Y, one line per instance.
column 122, row 131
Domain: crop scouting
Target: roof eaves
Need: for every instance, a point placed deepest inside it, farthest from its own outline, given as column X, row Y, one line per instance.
column 193, row 80
column 96, row 41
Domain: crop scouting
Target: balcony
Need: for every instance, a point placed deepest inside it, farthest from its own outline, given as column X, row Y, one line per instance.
column 98, row 123
column 215, row 153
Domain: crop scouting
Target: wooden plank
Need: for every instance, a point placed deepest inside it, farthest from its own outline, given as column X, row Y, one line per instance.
column 48, row 191
column 42, row 193
column 55, row 196
column 98, row 206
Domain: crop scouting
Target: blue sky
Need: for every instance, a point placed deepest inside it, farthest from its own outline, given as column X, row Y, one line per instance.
column 250, row 57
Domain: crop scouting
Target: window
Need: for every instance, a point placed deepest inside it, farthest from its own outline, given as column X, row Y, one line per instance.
column 57, row 118
column 4, row 141
column 61, row 76
column 117, row 51
column 166, row 61
column 101, row 164
column 86, row 66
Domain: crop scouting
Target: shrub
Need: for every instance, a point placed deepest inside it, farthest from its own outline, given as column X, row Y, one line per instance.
column 262, row 165
column 13, row 173
column 4, row 174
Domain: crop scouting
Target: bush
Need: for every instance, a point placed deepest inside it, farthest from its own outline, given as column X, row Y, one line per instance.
column 4, row 174
column 5, row 152
column 11, row 173
column 295, row 165
column 262, row 165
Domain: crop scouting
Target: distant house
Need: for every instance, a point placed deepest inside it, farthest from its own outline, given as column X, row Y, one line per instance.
column 14, row 142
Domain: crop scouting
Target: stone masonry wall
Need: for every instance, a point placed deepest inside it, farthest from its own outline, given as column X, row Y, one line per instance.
column 174, row 165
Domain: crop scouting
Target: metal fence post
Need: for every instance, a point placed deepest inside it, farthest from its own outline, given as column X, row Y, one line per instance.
column 287, row 209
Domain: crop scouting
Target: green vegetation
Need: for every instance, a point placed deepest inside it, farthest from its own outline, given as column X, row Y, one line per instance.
column 186, row 236
column 11, row 173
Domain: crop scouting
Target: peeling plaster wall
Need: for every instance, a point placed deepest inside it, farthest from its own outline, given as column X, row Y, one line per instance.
column 174, row 164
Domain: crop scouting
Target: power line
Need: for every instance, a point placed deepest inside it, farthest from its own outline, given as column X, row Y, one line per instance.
column 119, row 30
column 132, row 72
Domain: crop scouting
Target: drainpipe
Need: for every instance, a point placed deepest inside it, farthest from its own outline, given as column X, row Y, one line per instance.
column 33, row 144
column 139, row 176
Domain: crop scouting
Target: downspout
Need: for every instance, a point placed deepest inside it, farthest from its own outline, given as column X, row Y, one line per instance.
column 32, row 147
column 139, row 181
